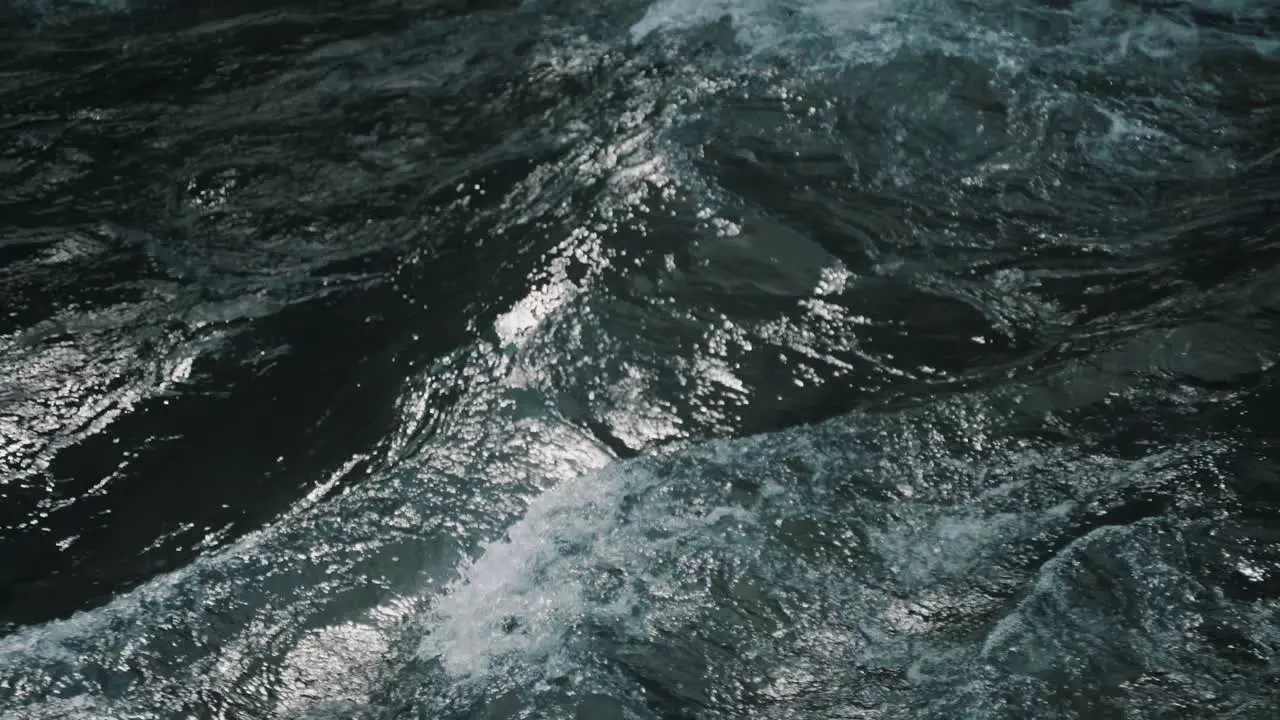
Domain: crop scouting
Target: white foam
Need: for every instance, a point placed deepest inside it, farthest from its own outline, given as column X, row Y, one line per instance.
column 503, row 586
column 863, row 26
column 581, row 552
column 1096, row 31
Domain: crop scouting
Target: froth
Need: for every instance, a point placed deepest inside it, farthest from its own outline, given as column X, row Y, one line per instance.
column 764, row 26
column 601, row 547
column 506, row 601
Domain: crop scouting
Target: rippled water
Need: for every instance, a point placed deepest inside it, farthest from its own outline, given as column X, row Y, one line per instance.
column 640, row 359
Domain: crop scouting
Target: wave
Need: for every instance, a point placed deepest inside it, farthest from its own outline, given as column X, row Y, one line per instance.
column 864, row 358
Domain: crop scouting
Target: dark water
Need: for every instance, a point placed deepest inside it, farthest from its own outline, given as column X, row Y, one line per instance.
column 640, row 359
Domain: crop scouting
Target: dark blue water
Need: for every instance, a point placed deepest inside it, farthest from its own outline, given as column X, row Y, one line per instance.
column 640, row 359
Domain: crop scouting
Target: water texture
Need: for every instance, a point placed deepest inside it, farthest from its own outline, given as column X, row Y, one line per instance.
column 640, row 359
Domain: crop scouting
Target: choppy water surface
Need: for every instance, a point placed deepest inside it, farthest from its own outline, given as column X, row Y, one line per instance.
column 640, row 359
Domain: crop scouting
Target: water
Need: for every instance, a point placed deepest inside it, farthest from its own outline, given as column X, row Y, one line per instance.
column 643, row 359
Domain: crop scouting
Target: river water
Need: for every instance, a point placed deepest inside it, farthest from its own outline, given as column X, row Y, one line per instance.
column 640, row 359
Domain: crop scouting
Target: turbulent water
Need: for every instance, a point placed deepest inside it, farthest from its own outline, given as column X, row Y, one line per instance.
column 640, row 359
